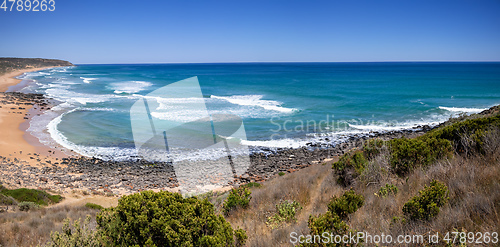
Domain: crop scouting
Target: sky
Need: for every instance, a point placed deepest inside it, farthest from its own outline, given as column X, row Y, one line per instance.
column 189, row 31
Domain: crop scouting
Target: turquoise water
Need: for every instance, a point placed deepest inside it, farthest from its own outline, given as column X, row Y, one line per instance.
column 281, row 104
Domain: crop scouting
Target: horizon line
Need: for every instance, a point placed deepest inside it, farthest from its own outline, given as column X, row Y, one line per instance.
column 243, row 62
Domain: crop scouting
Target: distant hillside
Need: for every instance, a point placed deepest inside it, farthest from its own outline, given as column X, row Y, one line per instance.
column 8, row 64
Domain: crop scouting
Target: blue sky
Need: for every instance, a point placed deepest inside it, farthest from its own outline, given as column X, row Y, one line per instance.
column 164, row 31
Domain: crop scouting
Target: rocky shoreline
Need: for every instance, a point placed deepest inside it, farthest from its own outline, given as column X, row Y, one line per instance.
column 123, row 177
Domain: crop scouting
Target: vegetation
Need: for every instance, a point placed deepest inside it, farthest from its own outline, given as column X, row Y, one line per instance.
column 251, row 185
column 347, row 204
column 350, row 166
column 333, row 221
column 165, row 219
column 78, row 235
column 33, row 228
column 468, row 135
column 94, row 206
column 6, row 200
column 373, row 147
column 281, row 173
column 31, row 195
column 426, row 204
column 27, row 206
column 237, row 198
column 286, row 211
column 387, row 190
column 8, row 64
column 467, row 198
column 408, row 154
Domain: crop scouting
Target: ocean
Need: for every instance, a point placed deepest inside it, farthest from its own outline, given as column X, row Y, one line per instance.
column 282, row 105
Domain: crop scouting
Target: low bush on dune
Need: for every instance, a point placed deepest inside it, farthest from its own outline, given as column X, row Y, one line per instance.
column 76, row 235
column 404, row 155
column 373, row 147
column 333, row 221
column 468, row 135
column 6, row 200
column 346, row 204
column 94, row 206
column 27, row 206
column 426, row 205
column 408, row 154
column 31, row 195
column 239, row 197
column 166, row 219
column 286, row 211
column 350, row 166
column 387, row 190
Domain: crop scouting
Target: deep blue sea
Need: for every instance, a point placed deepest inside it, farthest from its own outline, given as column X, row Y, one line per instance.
column 281, row 104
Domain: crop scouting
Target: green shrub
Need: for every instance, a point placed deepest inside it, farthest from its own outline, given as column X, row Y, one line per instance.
column 281, row 173
column 387, row 190
column 346, row 204
column 373, row 147
column 79, row 235
column 285, row 212
column 475, row 128
column 328, row 222
column 251, row 185
column 426, row 204
column 94, row 206
column 27, row 206
column 408, row 154
column 32, row 195
column 333, row 223
column 239, row 197
column 6, row 200
column 165, row 219
column 350, row 166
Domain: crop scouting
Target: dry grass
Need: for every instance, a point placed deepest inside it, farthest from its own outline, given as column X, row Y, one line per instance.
column 473, row 183
column 474, row 206
column 474, row 191
column 33, row 228
column 312, row 187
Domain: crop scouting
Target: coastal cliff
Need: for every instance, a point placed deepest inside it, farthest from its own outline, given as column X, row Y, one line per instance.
column 8, row 64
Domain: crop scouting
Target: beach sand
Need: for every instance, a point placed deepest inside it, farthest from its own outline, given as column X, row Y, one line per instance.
column 7, row 80
column 15, row 142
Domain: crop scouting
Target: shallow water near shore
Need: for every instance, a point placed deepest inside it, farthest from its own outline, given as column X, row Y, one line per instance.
column 281, row 104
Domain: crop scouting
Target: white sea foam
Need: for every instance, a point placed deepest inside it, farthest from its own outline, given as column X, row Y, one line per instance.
column 129, row 87
column 97, row 109
column 61, row 93
column 88, row 80
column 191, row 109
column 377, row 127
column 255, row 100
column 279, row 143
column 463, row 109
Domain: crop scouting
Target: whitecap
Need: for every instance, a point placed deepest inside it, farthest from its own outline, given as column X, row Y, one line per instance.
column 129, row 87
column 88, row 80
column 279, row 143
column 463, row 109
column 255, row 100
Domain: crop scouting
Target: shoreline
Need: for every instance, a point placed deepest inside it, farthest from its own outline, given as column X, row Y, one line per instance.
column 16, row 110
column 23, row 164
column 116, row 178
column 8, row 79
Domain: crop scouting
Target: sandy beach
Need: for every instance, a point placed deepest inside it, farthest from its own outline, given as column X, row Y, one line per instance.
column 15, row 143
column 7, row 80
